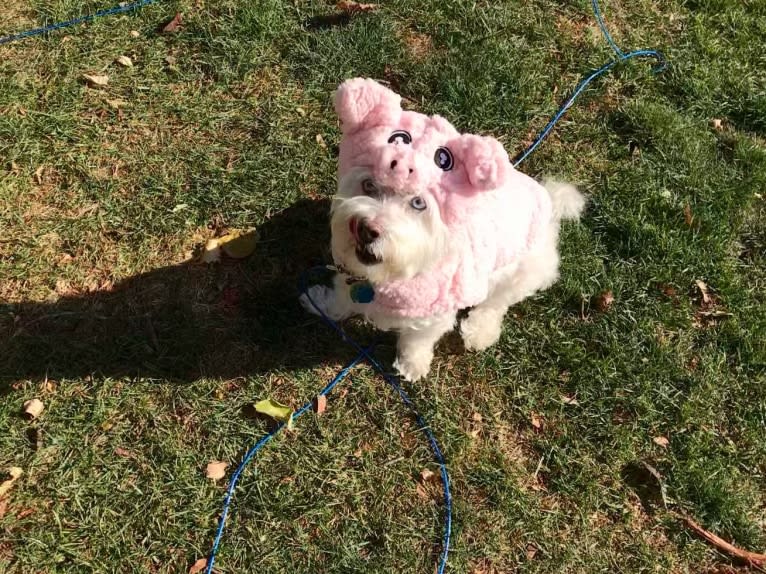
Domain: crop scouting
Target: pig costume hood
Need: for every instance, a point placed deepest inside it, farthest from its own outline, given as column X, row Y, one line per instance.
column 494, row 214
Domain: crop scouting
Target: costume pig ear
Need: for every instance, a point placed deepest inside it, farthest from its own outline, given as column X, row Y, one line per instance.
column 361, row 102
column 485, row 160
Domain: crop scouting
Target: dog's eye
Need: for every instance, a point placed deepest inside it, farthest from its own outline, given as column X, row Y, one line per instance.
column 369, row 187
column 443, row 158
column 400, row 136
column 418, row 203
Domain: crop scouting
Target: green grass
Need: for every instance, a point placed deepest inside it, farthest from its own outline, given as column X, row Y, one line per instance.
column 146, row 363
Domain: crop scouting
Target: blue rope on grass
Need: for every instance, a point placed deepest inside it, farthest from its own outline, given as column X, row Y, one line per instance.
column 621, row 57
column 119, row 9
column 364, row 354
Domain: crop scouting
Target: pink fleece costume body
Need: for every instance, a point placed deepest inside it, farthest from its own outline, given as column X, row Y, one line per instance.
column 494, row 214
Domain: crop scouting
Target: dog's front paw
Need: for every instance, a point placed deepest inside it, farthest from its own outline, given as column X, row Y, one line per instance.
column 318, row 298
column 413, row 366
column 481, row 329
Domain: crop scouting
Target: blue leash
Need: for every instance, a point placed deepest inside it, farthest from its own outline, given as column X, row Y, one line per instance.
column 366, row 353
column 119, row 9
column 621, row 57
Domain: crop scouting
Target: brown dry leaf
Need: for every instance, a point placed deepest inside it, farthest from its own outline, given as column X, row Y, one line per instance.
column 14, row 473
column 351, row 6
column 135, row 34
column 661, row 441
column 124, row 453
column 536, row 420
column 476, row 417
column 604, row 300
column 198, row 566
column 175, row 24
column 33, row 408
column 531, row 551
column 426, row 475
column 3, row 506
column 688, row 217
column 320, row 404
column 716, row 124
column 422, row 492
column 704, row 291
column 124, row 61
column 96, row 80
column 321, row 142
column 39, row 175
column 216, row 470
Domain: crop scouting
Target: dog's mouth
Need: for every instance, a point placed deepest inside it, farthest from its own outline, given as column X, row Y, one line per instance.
column 364, row 251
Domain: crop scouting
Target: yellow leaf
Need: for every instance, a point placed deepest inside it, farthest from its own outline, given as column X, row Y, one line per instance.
column 238, row 244
column 275, row 410
column 15, row 472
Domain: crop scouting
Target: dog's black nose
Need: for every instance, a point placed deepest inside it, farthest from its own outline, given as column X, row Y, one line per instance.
column 367, row 233
column 394, row 163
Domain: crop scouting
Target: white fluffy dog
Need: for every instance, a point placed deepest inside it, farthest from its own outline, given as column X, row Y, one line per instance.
column 427, row 222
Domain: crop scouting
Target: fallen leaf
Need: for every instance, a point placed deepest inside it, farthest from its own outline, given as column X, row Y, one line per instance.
column 320, row 404
column 717, row 124
column 33, row 408
column 124, row 61
column 301, row 112
column 531, row 551
column 116, row 104
column 212, row 252
column 14, row 473
column 476, row 417
column 239, row 244
column 569, row 400
column 275, row 410
column 320, row 141
column 198, row 566
column 668, row 290
column 604, row 301
column 704, row 291
column 422, row 492
column 216, row 470
column 661, row 441
column 426, row 475
column 135, row 33
column 688, row 217
column 124, row 453
column 96, row 80
column 39, row 175
column 351, row 6
column 175, row 24
column 536, row 421
column 170, row 60
column 3, row 506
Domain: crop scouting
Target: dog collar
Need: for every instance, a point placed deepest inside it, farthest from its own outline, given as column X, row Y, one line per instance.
column 360, row 289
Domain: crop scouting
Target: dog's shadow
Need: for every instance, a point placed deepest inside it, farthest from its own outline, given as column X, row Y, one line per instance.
column 184, row 322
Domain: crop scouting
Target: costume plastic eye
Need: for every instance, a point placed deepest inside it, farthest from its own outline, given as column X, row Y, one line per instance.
column 400, row 136
column 369, row 187
column 443, row 158
column 418, row 203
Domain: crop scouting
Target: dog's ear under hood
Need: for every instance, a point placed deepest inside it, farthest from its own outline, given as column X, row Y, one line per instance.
column 364, row 103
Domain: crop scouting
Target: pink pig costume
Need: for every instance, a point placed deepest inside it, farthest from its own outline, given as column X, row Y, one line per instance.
column 494, row 214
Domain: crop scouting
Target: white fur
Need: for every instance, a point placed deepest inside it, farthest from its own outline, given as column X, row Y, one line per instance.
column 409, row 243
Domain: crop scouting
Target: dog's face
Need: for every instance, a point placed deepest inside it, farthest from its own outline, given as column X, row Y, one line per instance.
column 383, row 233
column 404, row 180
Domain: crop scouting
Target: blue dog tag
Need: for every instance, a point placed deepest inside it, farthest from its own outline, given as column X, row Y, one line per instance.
column 362, row 292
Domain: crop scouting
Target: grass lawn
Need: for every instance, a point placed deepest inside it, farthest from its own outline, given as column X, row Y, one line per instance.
column 147, row 362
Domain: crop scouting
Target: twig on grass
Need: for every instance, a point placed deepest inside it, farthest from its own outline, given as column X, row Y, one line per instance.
column 757, row 561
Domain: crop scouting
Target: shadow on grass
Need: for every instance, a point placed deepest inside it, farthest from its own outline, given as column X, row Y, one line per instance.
column 187, row 321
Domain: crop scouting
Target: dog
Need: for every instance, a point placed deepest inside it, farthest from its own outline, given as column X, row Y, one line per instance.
column 428, row 222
